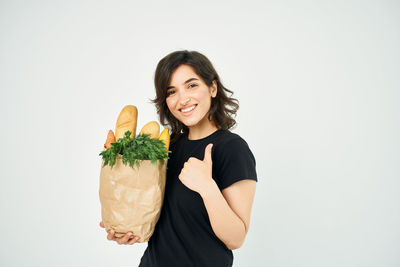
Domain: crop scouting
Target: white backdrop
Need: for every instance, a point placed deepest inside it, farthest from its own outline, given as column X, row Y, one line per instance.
column 318, row 85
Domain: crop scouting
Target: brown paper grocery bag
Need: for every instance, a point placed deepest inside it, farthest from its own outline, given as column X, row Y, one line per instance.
column 131, row 198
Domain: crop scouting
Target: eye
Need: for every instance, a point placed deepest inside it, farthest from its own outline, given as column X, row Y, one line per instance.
column 170, row 92
column 194, row 85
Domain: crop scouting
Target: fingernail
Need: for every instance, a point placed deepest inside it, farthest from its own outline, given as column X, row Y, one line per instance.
column 129, row 234
column 137, row 238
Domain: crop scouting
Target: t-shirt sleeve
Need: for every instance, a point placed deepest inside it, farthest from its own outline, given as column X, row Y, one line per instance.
column 234, row 162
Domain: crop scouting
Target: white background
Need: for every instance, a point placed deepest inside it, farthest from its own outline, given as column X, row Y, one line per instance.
column 318, row 85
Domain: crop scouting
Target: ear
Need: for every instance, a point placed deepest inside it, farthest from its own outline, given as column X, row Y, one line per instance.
column 214, row 88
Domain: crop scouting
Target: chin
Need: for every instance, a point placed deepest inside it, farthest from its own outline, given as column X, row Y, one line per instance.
column 193, row 121
column 189, row 124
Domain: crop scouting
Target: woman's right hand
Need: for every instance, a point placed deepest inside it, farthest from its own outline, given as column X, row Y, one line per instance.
column 127, row 239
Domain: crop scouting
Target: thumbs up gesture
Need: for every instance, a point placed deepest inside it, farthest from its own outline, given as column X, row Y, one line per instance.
column 197, row 174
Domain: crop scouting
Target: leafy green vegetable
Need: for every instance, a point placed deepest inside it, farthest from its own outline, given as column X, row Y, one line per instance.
column 133, row 150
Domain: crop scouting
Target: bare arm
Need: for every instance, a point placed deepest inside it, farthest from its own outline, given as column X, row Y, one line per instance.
column 229, row 211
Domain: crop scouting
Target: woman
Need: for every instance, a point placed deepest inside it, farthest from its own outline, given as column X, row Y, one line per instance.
column 211, row 175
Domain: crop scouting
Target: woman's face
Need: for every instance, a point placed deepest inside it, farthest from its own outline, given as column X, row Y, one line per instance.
column 189, row 98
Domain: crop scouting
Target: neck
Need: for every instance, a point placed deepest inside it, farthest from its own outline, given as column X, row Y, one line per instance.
column 201, row 131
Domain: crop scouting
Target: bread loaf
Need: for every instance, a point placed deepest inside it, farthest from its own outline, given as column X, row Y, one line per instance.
column 152, row 128
column 126, row 121
column 164, row 136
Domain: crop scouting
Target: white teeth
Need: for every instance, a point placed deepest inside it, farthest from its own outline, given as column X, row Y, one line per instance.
column 189, row 109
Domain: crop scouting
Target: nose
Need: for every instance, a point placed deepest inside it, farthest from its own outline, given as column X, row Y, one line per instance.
column 184, row 103
column 184, row 98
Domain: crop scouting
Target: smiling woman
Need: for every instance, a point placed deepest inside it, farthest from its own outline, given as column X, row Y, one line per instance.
column 211, row 172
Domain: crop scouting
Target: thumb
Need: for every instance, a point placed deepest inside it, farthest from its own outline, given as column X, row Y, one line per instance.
column 207, row 153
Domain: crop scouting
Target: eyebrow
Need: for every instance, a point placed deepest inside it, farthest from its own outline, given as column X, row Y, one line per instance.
column 191, row 79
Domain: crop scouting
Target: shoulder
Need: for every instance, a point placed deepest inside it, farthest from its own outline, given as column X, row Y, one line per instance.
column 232, row 160
column 175, row 141
column 228, row 141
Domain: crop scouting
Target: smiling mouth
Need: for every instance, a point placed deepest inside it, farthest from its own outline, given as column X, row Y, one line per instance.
column 187, row 110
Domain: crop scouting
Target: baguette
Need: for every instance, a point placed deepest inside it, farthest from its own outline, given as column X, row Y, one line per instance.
column 126, row 121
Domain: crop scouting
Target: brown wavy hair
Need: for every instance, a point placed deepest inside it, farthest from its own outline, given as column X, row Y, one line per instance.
column 223, row 107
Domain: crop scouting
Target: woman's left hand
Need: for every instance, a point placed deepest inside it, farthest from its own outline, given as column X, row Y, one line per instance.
column 197, row 174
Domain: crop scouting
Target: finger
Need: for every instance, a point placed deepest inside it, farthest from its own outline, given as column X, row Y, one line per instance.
column 110, row 235
column 101, row 224
column 133, row 240
column 207, row 153
column 125, row 238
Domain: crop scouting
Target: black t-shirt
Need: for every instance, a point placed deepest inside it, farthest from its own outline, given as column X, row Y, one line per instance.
column 183, row 236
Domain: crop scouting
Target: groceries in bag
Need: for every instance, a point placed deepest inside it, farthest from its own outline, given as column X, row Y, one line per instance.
column 132, row 176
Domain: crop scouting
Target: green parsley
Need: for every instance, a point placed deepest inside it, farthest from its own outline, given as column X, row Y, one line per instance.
column 133, row 150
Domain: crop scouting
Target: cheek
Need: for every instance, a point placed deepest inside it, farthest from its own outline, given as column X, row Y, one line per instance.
column 206, row 98
column 169, row 103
